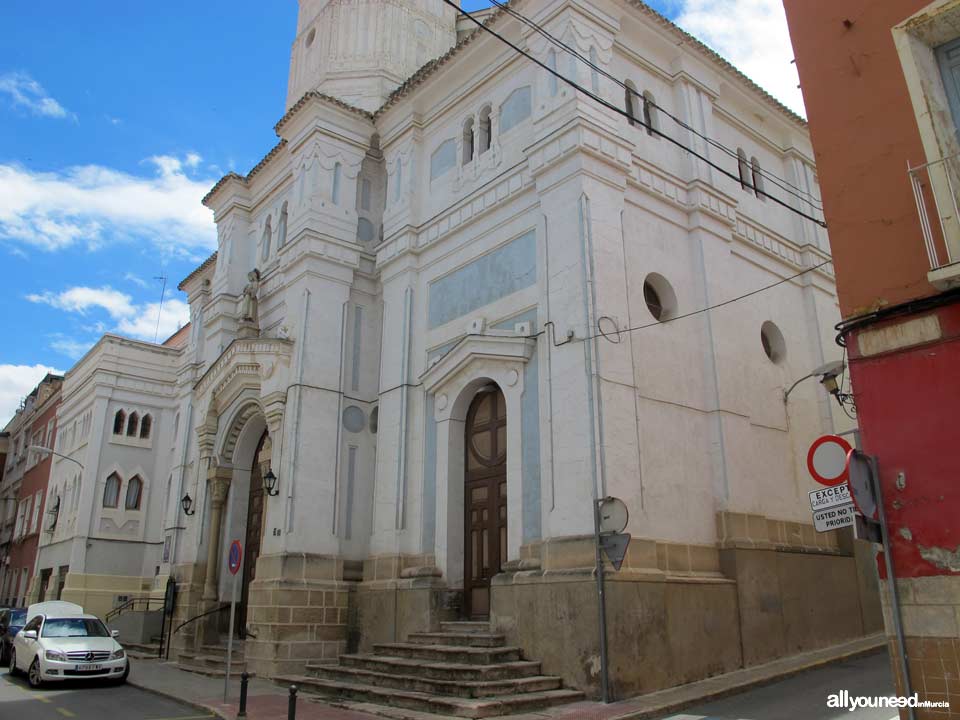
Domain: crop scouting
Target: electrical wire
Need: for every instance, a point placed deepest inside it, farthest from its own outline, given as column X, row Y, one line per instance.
column 657, row 323
column 781, row 183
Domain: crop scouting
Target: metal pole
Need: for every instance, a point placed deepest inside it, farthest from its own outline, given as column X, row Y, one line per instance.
column 292, row 704
column 163, row 628
column 244, row 679
column 233, row 608
column 892, row 582
column 602, row 603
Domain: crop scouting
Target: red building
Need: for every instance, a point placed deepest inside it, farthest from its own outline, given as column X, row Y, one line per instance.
column 881, row 83
column 25, row 479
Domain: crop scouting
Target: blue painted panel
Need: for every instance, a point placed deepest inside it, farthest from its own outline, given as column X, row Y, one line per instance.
column 443, row 158
column 516, row 108
column 530, row 457
column 526, row 316
column 429, row 479
column 495, row 275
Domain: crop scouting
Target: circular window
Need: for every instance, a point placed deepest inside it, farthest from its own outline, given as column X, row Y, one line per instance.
column 311, row 36
column 353, row 419
column 773, row 343
column 659, row 296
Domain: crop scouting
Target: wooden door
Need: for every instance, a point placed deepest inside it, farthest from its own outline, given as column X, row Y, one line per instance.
column 485, row 499
column 251, row 545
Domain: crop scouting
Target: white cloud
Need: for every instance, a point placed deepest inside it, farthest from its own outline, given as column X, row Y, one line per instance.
column 139, row 321
column 16, row 381
column 70, row 347
column 27, row 93
column 135, row 279
column 98, row 205
column 751, row 34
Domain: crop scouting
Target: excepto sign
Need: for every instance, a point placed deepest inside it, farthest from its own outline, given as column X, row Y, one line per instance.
column 833, row 518
column 827, row 459
column 235, row 556
column 830, row 497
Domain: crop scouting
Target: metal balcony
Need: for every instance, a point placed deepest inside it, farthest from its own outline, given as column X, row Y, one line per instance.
column 934, row 188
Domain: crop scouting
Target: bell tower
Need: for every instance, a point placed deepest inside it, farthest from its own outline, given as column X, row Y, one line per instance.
column 360, row 51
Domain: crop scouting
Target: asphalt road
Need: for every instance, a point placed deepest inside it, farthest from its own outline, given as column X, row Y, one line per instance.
column 804, row 696
column 87, row 701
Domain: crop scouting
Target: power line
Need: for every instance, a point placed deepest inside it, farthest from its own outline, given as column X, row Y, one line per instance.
column 629, row 116
column 618, row 332
column 775, row 179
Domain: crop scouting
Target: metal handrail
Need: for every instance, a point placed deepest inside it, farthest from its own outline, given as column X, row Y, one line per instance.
column 926, row 227
column 131, row 604
column 221, row 606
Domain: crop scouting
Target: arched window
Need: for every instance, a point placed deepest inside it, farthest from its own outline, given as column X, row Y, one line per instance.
column 335, row 194
column 757, row 177
column 145, row 427
column 650, row 118
column 552, row 80
column 744, row 168
column 468, row 140
column 486, row 130
column 282, row 226
column 594, row 75
column 111, row 491
column 118, row 421
column 132, row 423
column 134, row 491
column 629, row 102
column 265, row 243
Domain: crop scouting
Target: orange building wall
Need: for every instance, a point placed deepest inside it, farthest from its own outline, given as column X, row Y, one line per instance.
column 864, row 132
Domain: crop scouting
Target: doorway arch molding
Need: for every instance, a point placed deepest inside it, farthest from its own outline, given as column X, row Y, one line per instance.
column 453, row 381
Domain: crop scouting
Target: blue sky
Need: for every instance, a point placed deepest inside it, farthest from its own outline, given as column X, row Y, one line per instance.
column 116, row 117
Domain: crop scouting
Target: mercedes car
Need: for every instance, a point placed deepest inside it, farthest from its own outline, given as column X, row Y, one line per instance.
column 61, row 642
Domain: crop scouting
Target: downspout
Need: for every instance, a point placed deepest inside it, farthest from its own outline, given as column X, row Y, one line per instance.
column 295, row 431
column 175, row 540
column 335, row 527
column 401, row 516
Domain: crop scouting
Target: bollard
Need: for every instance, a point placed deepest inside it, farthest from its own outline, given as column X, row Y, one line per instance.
column 244, row 679
column 292, row 706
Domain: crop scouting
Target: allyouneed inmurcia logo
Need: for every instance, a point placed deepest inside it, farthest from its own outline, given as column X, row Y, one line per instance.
column 844, row 699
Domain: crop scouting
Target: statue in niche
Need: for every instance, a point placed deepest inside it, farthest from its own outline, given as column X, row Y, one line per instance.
column 248, row 303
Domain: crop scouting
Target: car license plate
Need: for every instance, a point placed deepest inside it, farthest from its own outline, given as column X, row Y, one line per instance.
column 89, row 667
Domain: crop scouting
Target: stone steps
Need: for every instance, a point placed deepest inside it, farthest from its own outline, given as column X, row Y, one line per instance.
column 438, row 671
column 437, row 704
column 450, row 653
column 452, row 688
column 211, row 660
column 488, row 640
column 462, row 671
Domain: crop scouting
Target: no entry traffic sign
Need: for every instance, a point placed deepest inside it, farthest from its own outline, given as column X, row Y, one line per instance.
column 827, row 460
column 235, row 557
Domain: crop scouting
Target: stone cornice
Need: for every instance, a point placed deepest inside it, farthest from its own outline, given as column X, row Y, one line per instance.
column 242, row 353
column 493, row 345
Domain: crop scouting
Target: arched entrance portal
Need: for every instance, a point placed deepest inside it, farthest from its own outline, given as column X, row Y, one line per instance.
column 485, row 497
column 254, row 525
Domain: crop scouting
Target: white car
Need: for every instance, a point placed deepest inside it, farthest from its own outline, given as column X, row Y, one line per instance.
column 61, row 642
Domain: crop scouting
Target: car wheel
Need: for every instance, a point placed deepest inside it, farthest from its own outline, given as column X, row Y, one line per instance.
column 13, row 662
column 34, row 676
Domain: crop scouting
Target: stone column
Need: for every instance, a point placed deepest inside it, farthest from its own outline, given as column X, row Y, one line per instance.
column 218, row 482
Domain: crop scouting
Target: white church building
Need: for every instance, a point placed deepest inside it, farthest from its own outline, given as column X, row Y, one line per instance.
column 459, row 302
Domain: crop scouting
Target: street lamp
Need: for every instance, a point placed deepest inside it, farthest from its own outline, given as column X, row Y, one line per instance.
column 270, row 484
column 828, row 374
column 49, row 451
column 187, row 504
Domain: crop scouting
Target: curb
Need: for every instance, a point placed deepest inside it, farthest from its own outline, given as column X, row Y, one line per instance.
column 748, row 684
column 170, row 696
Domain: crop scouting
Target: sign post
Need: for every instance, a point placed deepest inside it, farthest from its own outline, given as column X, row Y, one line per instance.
column 234, row 561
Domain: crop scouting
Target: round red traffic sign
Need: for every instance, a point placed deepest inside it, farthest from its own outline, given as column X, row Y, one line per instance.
column 235, row 557
column 827, row 460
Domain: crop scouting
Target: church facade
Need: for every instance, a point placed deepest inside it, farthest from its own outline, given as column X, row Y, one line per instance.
column 458, row 303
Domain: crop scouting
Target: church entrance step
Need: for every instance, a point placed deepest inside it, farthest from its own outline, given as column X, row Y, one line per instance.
column 489, row 640
column 211, row 660
column 437, row 704
column 450, row 653
column 465, row 626
column 453, row 688
column 439, row 670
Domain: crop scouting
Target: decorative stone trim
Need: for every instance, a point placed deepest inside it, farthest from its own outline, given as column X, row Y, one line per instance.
column 745, row 531
column 496, row 345
column 267, row 347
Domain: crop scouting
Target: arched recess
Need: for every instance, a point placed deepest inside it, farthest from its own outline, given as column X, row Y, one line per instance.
column 475, row 364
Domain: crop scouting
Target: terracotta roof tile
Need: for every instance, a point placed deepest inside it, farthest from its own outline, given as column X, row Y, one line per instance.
column 256, row 168
column 203, row 266
column 315, row 95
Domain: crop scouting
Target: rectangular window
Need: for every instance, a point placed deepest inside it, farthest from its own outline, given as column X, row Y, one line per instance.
column 37, row 503
column 948, row 58
column 50, row 437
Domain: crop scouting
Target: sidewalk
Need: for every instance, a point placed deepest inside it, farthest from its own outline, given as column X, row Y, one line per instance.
column 268, row 701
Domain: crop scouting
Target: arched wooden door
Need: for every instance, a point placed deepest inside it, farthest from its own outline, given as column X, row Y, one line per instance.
column 485, row 498
column 251, row 545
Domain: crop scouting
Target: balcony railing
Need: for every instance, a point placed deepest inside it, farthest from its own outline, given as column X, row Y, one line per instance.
column 934, row 189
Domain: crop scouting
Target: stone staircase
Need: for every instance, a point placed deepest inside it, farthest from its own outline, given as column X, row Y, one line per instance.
column 211, row 660
column 142, row 650
column 464, row 671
